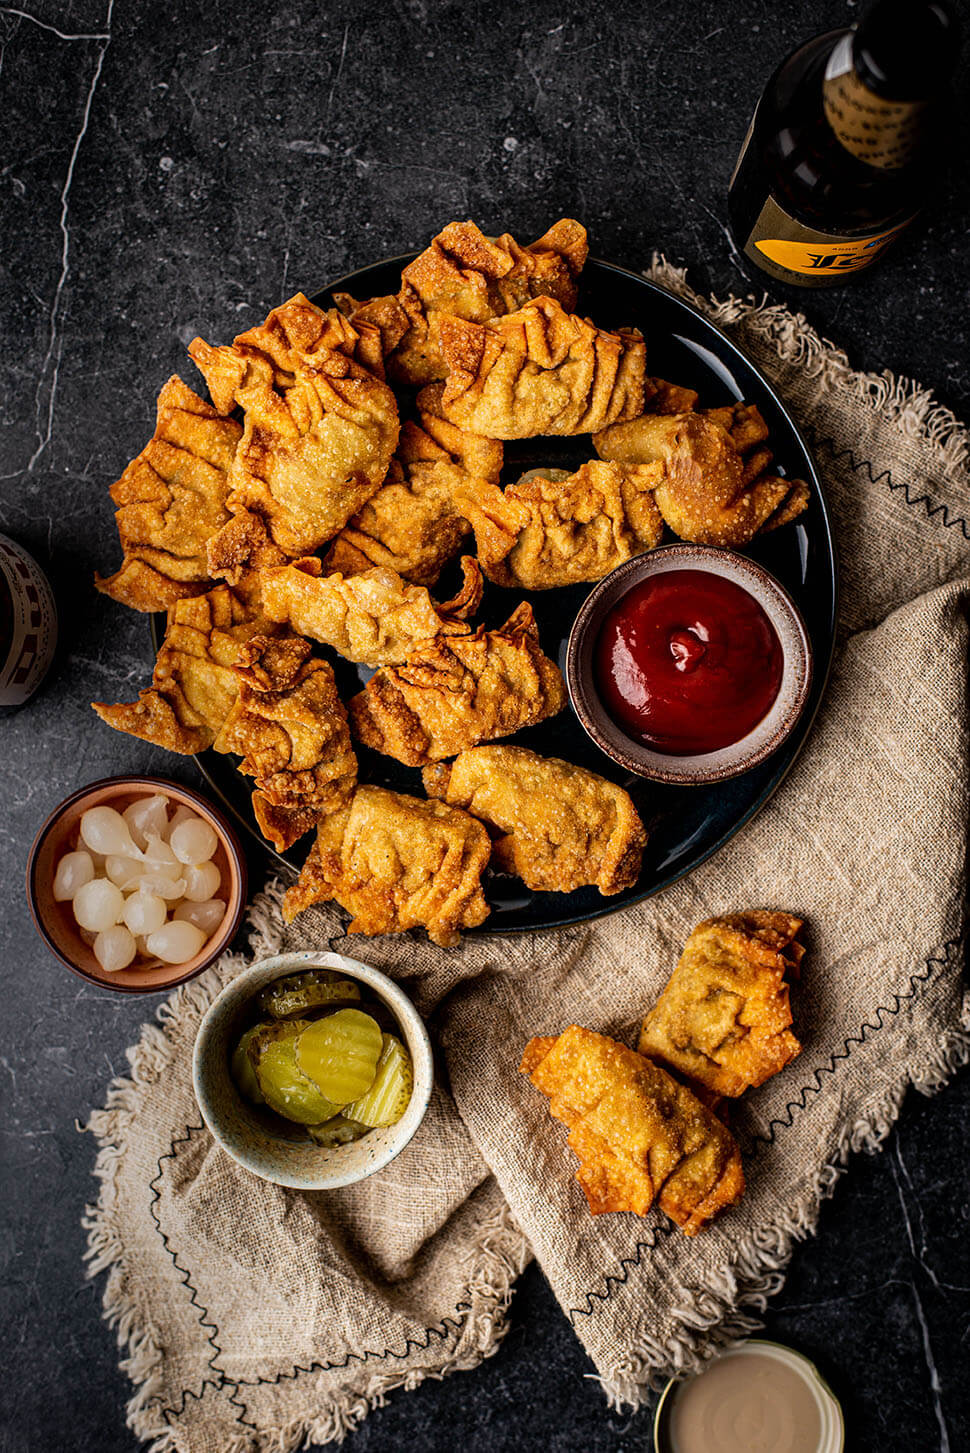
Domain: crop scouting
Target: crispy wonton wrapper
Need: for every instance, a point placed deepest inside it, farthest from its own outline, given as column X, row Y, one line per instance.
column 194, row 684
column 554, row 825
column 412, row 524
column 540, row 370
column 716, row 488
column 472, row 276
column 170, row 499
column 395, row 863
column 455, row 691
column 374, row 618
column 724, row 1018
column 319, row 427
column 541, row 532
column 639, row 1135
column 290, row 728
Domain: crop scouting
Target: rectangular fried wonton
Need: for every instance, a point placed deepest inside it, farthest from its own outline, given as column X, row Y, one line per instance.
column 540, row 370
column 455, row 691
column 541, row 533
column 194, row 684
column 472, row 276
column 171, row 498
column 319, row 427
column 556, row 826
column 639, row 1135
column 412, row 524
column 724, row 1018
column 290, row 728
column 715, row 487
column 396, row 862
column 374, row 618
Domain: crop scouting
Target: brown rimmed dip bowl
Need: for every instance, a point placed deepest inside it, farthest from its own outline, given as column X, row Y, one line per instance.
column 55, row 921
column 729, row 761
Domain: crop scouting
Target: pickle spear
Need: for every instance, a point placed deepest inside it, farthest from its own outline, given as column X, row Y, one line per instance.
column 292, row 997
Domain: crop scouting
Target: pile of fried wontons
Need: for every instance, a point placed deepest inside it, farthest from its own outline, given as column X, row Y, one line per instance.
column 650, row 1124
column 345, row 457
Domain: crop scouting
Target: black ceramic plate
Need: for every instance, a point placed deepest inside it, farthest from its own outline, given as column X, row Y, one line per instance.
column 685, row 824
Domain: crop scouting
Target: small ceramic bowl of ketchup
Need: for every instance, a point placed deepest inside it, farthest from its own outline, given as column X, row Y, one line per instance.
column 690, row 664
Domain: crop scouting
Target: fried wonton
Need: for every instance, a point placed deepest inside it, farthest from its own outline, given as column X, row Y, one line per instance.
column 397, row 862
column 455, row 691
column 556, row 826
column 716, row 488
column 540, row 370
column 290, row 728
column 544, row 532
column 319, row 428
column 639, row 1135
column 242, row 553
column 170, row 499
column 661, row 397
column 724, row 1018
column 412, row 524
column 472, row 276
column 374, row 618
column 194, row 685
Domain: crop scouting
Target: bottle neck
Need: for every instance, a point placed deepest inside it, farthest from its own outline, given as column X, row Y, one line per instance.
column 884, row 134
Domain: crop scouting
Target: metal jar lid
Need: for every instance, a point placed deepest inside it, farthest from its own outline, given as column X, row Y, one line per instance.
column 832, row 1435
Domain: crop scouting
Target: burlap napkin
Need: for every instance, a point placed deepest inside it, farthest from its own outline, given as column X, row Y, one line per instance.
column 254, row 1317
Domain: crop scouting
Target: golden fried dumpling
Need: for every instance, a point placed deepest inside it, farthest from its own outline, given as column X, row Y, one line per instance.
column 472, row 276
column 290, row 728
column 639, row 1136
column 396, row 862
column 716, row 488
column 544, row 532
column 319, row 428
column 242, row 553
column 374, row 618
column 554, row 825
column 170, row 499
column 413, row 525
column 194, row 685
column 539, row 370
column 453, row 692
column 724, row 1018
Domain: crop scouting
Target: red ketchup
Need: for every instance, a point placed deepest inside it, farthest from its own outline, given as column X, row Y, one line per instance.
column 688, row 662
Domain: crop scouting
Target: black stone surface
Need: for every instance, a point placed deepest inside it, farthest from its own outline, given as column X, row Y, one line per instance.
column 167, row 170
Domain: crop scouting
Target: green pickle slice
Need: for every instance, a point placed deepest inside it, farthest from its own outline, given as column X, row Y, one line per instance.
column 242, row 1071
column 292, row 997
column 285, row 1088
column 387, row 1099
column 339, row 1053
column 338, row 1131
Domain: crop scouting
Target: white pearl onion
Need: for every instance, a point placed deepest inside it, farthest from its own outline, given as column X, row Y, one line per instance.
column 159, row 855
column 193, row 841
column 176, row 942
column 145, row 816
column 73, row 871
column 201, row 882
column 98, row 905
column 206, row 916
column 114, row 949
column 105, row 831
column 144, row 913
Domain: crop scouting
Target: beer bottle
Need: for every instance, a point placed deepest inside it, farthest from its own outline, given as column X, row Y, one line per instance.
column 837, row 159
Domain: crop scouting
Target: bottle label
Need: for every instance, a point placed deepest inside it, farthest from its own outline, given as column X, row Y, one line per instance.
column 804, row 257
column 33, row 627
column 884, row 134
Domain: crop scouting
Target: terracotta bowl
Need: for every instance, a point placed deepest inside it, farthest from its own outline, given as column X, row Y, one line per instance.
column 55, row 922
column 260, row 1142
column 731, row 761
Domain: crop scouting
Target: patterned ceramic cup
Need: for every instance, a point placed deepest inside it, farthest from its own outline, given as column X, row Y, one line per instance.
column 245, row 1133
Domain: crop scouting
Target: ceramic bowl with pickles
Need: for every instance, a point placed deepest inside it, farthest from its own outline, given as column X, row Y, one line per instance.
column 312, row 1070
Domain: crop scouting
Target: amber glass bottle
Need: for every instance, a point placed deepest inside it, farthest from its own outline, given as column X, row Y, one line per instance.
column 839, row 155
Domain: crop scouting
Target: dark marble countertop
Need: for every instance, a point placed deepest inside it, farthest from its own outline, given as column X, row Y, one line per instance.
column 173, row 170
